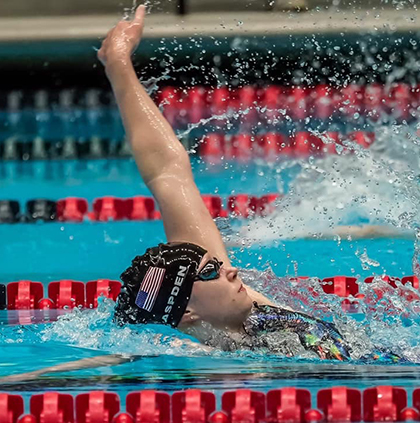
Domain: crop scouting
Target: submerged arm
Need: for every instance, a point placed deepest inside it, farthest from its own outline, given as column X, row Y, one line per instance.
column 101, row 361
column 85, row 363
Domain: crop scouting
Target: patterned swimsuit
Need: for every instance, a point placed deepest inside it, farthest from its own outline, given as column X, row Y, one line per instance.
column 273, row 328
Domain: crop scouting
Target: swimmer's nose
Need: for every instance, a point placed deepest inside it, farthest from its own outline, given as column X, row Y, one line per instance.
column 231, row 273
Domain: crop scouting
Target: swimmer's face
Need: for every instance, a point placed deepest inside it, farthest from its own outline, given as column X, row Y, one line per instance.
column 222, row 302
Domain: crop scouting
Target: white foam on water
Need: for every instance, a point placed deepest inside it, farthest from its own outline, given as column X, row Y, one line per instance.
column 378, row 186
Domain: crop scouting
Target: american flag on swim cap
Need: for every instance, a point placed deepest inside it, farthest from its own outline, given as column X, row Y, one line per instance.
column 149, row 288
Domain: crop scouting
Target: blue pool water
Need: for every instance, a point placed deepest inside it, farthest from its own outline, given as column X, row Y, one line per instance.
column 47, row 252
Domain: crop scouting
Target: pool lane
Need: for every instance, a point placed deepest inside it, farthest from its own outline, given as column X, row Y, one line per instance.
column 46, row 252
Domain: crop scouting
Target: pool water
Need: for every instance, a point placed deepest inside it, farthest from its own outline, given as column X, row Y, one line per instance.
column 88, row 251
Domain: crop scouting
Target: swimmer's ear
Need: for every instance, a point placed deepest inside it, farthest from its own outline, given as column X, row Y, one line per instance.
column 189, row 318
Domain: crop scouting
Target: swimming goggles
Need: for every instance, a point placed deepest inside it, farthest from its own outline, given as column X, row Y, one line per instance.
column 211, row 270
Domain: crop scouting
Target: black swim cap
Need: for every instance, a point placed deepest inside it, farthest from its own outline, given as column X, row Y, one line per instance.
column 157, row 285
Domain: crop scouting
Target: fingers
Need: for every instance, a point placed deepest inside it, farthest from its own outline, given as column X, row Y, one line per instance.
column 140, row 12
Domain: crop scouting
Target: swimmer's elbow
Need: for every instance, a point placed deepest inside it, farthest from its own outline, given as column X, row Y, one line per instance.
column 157, row 165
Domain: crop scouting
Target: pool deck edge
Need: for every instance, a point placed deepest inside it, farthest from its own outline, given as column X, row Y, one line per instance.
column 213, row 24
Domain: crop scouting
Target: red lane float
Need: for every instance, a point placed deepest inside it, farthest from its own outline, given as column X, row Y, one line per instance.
column 141, row 208
column 123, row 418
column 67, row 294
column 241, row 205
column 144, row 208
column 197, row 104
column 24, row 295
column 401, row 101
column 384, row 403
column 27, row 419
column 246, row 102
column 11, row 407
column 374, row 101
column 216, row 147
column 192, row 405
column 299, row 102
column 245, row 206
column 412, row 280
column 241, row 148
column 72, row 209
column 385, row 278
column 64, row 294
column 218, row 100
column 272, row 100
column 214, row 205
column 169, row 99
column 330, row 141
column 149, row 406
column 219, row 417
column 286, row 404
column 342, row 286
column 305, row 144
column 351, row 101
column 364, row 139
column 340, row 404
column 244, row 406
column 108, row 208
column 267, row 204
column 271, row 145
column 324, row 99
column 102, row 287
column 213, row 148
column 97, row 407
column 52, row 407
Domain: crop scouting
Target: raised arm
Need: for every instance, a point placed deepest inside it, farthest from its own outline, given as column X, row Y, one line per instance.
column 162, row 160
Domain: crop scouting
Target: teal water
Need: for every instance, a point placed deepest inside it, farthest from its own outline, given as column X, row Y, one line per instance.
column 47, row 252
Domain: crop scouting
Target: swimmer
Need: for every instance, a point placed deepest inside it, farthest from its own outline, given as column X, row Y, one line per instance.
column 188, row 282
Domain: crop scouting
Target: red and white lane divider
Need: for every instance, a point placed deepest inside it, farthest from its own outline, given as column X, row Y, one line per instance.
column 68, row 294
column 104, row 209
column 217, row 147
column 283, row 405
column 63, row 294
column 322, row 101
column 348, row 287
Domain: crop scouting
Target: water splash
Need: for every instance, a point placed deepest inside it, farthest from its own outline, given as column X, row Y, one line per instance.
column 94, row 329
column 386, row 318
column 366, row 261
column 378, row 186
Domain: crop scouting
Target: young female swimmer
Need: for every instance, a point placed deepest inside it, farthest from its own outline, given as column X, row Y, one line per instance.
column 188, row 283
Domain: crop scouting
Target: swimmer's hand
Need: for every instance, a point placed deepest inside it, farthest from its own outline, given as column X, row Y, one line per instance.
column 22, row 377
column 122, row 40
